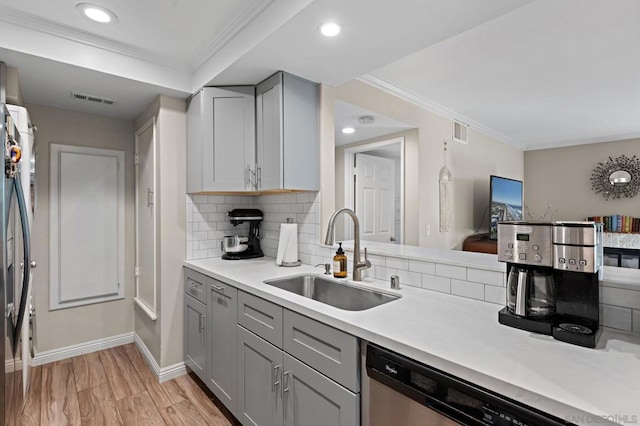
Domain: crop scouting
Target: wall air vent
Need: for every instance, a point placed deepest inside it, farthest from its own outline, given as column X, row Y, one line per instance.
column 460, row 132
column 91, row 98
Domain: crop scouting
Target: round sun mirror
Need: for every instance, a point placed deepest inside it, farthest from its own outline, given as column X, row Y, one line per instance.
column 620, row 177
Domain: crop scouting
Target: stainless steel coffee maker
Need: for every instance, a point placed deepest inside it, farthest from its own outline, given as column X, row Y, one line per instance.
column 554, row 271
column 527, row 248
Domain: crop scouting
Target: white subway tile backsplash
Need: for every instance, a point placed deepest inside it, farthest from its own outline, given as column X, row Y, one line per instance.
column 383, row 273
column 467, row 289
column 616, row 317
column 207, row 224
column 414, row 279
column 374, row 259
column 486, row 277
column 394, row 262
column 451, row 271
column 422, row 267
column 432, row 282
column 493, row 294
column 620, row 297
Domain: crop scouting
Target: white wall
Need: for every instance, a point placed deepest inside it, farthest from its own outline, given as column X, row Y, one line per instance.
column 60, row 328
column 471, row 164
column 163, row 337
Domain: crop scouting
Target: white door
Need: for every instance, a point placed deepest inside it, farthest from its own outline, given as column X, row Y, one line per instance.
column 375, row 197
column 146, row 219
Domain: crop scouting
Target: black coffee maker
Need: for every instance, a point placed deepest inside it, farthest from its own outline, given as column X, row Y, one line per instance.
column 553, row 278
column 254, row 218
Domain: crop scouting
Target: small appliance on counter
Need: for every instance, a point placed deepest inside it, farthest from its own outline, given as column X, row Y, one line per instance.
column 236, row 247
column 553, row 278
column 578, row 261
column 528, row 250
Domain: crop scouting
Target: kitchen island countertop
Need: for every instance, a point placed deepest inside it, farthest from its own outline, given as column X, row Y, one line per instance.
column 463, row 337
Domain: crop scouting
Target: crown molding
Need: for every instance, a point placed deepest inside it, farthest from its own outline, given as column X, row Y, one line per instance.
column 574, row 142
column 233, row 28
column 439, row 110
column 46, row 26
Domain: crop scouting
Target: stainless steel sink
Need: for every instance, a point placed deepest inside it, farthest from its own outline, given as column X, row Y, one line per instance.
column 334, row 293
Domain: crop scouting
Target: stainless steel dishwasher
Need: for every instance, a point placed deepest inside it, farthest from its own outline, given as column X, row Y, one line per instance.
column 402, row 392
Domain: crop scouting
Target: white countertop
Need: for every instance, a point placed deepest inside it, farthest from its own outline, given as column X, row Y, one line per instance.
column 463, row 337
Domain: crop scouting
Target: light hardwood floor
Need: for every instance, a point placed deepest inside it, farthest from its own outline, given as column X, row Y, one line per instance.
column 116, row 387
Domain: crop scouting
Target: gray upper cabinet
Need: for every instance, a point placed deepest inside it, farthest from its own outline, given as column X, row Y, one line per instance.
column 287, row 145
column 221, row 140
column 195, row 341
column 311, row 399
column 222, row 308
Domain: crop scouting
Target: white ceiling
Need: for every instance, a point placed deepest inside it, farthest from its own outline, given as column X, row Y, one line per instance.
column 531, row 73
column 554, row 72
column 347, row 115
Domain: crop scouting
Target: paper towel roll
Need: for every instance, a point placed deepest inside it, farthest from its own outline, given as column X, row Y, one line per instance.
column 288, row 245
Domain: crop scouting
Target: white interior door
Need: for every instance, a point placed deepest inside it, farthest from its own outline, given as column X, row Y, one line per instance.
column 146, row 219
column 375, row 197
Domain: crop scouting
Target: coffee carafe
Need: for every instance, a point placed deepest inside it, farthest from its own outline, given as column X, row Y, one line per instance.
column 531, row 292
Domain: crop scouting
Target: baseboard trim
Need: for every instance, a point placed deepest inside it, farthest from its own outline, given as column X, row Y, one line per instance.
column 165, row 373
column 59, row 354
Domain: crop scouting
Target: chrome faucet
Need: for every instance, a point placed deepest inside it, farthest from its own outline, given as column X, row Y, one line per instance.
column 358, row 265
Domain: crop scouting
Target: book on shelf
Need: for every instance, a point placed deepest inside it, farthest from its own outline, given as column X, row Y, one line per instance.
column 618, row 223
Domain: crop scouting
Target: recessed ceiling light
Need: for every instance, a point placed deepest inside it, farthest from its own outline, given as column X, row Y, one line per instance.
column 330, row 29
column 348, row 130
column 97, row 13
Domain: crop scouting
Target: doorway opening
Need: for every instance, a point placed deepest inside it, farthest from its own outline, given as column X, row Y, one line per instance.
column 374, row 189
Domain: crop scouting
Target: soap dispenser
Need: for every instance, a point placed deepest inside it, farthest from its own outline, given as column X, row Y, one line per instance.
column 340, row 263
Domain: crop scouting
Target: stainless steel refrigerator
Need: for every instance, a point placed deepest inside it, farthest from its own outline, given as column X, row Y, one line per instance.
column 15, row 267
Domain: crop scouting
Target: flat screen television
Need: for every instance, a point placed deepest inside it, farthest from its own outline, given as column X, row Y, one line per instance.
column 506, row 202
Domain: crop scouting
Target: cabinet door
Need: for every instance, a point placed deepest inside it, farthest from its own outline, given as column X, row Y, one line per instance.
column 259, row 364
column 222, row 308
column 311, row 399
column 270, row 127
column 195, row 342
column 301, row 138
column 221, row 137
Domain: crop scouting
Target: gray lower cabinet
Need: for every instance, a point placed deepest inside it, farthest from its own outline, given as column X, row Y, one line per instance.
column 311, row 399
column 259, row 390
column 195, row 340
column 222, row 309
column 274, row 388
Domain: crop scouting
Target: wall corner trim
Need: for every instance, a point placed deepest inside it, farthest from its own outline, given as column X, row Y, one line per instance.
column 163, row 374
column 59, row 354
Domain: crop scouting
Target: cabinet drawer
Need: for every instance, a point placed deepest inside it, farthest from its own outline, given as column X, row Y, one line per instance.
column 262, row 317
column 328, row 350
column 221, row 288
column 195, row 285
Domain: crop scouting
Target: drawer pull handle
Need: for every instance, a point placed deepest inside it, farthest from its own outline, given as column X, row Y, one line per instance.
column 274, row 377
column 218, row 288
column 193, row 283
column 194, row 291
column 201, row 322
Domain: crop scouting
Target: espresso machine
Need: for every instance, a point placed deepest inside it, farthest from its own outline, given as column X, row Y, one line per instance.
column 553, row 277
column 236, row 247
column 578, row 261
